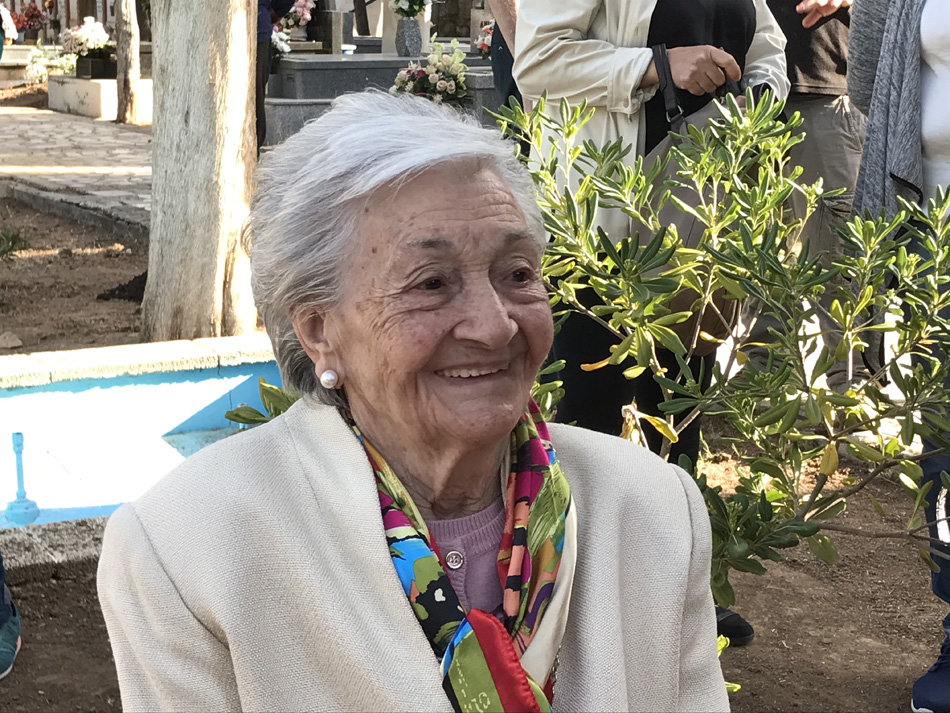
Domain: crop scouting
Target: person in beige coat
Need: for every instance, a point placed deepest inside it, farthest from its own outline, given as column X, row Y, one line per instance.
column 410, row 535
column 599, row 51
column 602, row 52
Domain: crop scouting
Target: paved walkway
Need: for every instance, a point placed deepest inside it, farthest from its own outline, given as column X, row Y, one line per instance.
column 93, row 169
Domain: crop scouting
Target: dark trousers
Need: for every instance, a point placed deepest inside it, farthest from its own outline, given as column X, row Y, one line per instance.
column 263, row 74
column 6, row 610
column 938, row 501
column 502, row 62
column 594, row 399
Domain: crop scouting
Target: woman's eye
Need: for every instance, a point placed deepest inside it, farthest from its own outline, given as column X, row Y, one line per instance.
column 522, row 275
column 433, row 283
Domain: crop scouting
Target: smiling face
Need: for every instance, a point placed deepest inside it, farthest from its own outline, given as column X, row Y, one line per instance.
column 444, row 319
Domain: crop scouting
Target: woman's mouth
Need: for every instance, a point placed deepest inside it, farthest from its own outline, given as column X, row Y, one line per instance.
column 470, row 372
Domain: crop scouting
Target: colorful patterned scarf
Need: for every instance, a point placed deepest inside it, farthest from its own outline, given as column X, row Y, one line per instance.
column 480, row 655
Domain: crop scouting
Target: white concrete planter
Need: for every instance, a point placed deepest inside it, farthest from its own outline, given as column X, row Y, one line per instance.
column 96, row 98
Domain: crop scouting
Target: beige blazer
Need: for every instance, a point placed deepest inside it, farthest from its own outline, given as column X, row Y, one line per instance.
column 256, row 576
column 595, row 50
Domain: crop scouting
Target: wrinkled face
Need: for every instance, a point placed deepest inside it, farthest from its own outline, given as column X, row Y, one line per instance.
column 444, row 320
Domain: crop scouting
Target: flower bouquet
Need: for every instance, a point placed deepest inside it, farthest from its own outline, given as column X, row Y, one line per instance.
column 279, row 46
column 408, row 8
column 33, row 17
column 87, row 40
column 298, row 16
column 483, row 44
column 441, row 80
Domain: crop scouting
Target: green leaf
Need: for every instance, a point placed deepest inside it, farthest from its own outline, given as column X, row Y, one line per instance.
column 912, row 469
column 667, row 337
column 246, row 415
column 928, row 560
column 801, row 527
column 862, row 451
column 769, row 467
column 907, row 430
column 662, row 426
column 737, row 548
column 910, row 485
column 823, row 549
column 633, row 372
column 274, row 399
column 621, row 351
column 832, row 510
column 877, row 506
column 723, row 592
column 774, row 414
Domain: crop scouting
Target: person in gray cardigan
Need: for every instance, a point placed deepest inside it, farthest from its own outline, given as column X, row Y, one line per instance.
column 892, row 76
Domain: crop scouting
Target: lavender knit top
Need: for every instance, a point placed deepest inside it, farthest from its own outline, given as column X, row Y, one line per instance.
column 469, row 546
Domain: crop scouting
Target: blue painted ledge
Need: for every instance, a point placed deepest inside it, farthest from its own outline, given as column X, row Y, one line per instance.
column 101, row 426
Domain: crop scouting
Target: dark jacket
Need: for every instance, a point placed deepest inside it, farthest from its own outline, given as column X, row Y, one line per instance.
column 264, row 26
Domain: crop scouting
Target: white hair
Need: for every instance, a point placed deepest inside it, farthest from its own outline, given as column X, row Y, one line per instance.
column 311, row 189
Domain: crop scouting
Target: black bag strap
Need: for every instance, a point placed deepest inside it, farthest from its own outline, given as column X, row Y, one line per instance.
column 674, row 112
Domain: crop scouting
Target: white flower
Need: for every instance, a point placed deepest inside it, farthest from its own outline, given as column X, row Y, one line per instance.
column 446, row 60
column 437, row 99
column 450, row 85
column 434, row 79
column 433, row 69
column 433, row 59
column 393, row 89
column 442, row 85
column 456, row 69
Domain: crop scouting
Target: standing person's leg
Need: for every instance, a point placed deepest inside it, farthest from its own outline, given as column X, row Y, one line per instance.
column 931, row 691
column 831, row 150
column 502, row 62
column 592, row 399
column 263, row 74
column 649, row 396
column 9, row 626
column 6, row 603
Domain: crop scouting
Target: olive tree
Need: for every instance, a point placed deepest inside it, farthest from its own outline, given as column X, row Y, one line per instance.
column 733, row 177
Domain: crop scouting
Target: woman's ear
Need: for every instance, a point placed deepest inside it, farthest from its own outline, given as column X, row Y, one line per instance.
column 310, row 328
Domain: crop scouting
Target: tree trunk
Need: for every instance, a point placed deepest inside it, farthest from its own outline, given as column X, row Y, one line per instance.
column 203, row 157
column 127, row 60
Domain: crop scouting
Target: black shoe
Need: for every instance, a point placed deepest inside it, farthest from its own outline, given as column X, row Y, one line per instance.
column 733, row 627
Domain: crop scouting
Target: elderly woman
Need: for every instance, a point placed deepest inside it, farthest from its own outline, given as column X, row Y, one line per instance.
column 410, row 535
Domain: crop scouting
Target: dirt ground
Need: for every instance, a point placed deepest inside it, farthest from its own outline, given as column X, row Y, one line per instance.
column 65, row 663
column 48, row 289
column 849, row 637
column 34, row 95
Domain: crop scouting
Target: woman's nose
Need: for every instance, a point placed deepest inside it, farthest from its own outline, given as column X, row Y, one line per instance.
column 485, row 318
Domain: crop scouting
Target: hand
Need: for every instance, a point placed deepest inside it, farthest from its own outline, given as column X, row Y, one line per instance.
column 814, row 10
column 274, row 17
column 701, row 69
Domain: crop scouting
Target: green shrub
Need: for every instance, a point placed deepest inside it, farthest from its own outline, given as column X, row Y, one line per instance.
column 737, row 172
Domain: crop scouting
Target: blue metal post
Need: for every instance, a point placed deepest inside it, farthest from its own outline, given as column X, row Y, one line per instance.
column 21, row 511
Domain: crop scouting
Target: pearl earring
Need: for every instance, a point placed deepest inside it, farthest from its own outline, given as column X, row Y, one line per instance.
column 329, row 379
